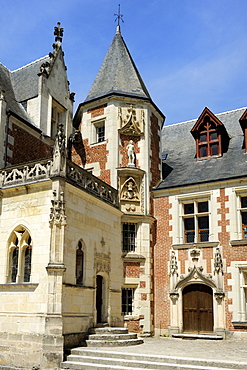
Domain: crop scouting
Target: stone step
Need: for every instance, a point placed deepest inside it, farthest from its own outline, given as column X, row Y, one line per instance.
column 107, row 330
column 86, row 358
column 110, row 336
column 113, row 343
column 198, row 336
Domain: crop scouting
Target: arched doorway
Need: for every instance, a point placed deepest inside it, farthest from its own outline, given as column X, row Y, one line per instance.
column 99, row 297
column 198, row 308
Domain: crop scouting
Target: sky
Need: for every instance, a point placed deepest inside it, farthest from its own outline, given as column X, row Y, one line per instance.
column 190, row 53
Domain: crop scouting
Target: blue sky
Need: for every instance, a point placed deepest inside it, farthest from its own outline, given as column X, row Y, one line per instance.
column 190, row 53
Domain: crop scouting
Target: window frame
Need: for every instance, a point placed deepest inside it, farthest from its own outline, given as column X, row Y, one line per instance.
column 20, row 240
column 97, row 137
column 125, row 301
column 127, row 241
column 196, row 216
column 208, row 142
column 58, row 115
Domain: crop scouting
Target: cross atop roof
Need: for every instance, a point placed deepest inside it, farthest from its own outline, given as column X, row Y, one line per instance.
column 119, row 17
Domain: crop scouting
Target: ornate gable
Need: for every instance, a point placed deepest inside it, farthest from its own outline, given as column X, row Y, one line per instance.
column 210, row 135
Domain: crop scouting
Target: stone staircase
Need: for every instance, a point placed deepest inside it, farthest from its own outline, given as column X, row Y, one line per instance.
column 99, row 359
column 111, row 337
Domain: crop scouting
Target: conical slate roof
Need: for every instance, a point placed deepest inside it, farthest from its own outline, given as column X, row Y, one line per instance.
column 118, row 74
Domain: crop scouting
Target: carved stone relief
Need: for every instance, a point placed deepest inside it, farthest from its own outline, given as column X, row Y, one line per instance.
column 131, row 120
column 130, row 195
column 102, row 262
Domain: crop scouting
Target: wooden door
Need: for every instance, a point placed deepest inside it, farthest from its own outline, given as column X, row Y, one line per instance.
column 99, row 300
column 197, row 308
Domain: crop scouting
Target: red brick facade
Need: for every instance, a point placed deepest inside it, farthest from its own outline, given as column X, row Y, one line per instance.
column 26, row 146
column 161, row 260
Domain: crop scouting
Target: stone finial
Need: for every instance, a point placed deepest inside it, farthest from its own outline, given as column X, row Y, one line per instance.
column 58, row 32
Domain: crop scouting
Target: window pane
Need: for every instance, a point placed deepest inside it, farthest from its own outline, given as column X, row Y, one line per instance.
column 188, row 208
column 189, row 230
column 79, row 265
column 202, row 207
column 214, row 149
column 213, row 136
column 244, row 225
column 243, row 202
column 27, row 264
column 203, row 151
column 14, row 265
column 203, row 229
column 127, row 301
column 203, row 138
column 129, row 237
column 100, row 133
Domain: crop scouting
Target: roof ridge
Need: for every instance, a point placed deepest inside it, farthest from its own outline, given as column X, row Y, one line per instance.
column 194, row 119
column 29, row 64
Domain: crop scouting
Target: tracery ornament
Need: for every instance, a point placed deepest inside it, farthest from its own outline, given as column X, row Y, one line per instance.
column 57, row 215
column 102, row 262
column 130, row 190
column 218, row 263
column 130, row 125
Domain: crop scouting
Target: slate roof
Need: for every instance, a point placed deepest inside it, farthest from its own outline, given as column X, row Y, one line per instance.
column 181, row 167
column 25, row 79
column 12, row 104
column 118, row 74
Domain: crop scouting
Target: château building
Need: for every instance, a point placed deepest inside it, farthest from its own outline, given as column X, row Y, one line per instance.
column 111, row 218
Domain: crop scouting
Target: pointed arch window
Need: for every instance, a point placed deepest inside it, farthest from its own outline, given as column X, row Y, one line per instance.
column 211, row 136
column 79, row 263
column 20, row 256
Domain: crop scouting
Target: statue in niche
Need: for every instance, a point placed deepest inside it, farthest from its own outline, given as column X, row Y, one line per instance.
column 131, row 153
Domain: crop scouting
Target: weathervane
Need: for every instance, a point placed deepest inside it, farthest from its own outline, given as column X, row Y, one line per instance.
column 119, row 16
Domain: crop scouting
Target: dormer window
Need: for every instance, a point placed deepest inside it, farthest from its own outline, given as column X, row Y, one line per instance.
column 208, row 141
column 209, row 133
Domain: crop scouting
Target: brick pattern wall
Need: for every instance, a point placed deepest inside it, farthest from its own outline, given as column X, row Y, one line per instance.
column 26, row 147
column 131, row 269
column 96, row 153
column 207, row 254
column 161, row 260
column 97, row 111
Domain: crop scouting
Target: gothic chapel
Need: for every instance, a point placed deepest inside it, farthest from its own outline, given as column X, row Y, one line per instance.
column 112, row 219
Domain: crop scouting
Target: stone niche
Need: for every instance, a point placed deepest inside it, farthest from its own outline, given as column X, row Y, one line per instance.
column 131, row 190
